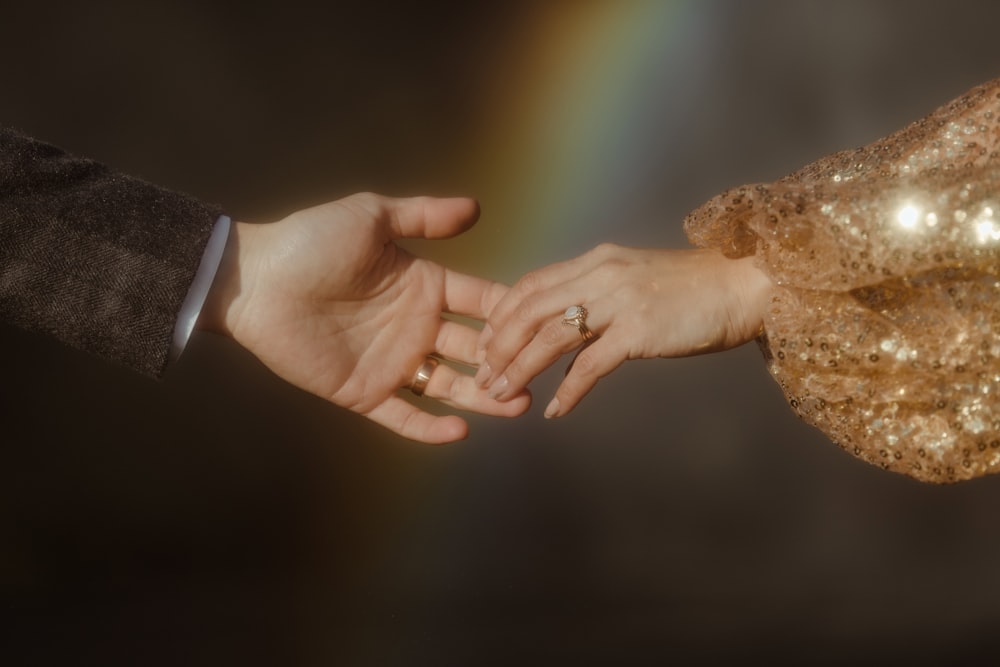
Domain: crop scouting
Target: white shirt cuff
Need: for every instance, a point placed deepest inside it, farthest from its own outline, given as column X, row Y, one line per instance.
column 198, row 292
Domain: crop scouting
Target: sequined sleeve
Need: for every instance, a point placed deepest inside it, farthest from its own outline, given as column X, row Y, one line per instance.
column 884, row 325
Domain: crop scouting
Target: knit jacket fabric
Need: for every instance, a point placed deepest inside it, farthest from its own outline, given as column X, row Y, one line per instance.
column 94, row 258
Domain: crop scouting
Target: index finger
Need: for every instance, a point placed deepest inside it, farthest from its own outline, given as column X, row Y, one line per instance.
column 471, row 296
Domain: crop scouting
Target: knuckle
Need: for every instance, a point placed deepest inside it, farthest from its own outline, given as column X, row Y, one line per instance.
column 447, row 340
column 443, row 338
column 367, row 205
column 608, row 269
column 490, row 299
column 553, row 334
column 605, row 249
column 525, row 312
column 454, row 393
column 408, row 426
column 529, row 283
column 585, row 365
column 367, row 200
column 515, row 371
column 499, row 352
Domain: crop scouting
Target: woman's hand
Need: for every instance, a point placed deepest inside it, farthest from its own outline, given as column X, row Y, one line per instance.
column 641, row 303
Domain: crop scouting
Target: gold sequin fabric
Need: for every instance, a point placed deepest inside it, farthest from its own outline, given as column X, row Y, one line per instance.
column 884, row 326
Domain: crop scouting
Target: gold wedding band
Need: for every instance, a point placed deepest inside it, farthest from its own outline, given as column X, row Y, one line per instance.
column 577, row 316
column 423, row 376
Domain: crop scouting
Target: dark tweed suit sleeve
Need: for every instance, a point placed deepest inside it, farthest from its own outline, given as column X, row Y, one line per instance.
column 99, row 260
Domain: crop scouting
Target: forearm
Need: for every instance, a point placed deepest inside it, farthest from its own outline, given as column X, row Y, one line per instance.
column 96, row 259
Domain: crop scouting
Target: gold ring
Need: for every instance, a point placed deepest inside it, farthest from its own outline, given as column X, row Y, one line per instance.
column 423, row 376
column 577, row 316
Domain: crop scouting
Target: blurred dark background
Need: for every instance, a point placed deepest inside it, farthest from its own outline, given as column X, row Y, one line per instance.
column 682, row 513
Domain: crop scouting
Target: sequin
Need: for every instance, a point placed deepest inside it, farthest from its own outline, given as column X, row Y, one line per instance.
column 887, row 255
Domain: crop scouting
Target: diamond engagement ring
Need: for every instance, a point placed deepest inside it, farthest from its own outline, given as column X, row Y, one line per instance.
column 577, row 316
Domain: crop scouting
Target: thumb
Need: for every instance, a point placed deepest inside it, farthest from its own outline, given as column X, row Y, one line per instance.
column 430, row 217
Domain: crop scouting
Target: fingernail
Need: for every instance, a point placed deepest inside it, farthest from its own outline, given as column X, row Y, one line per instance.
column 498, row 387
column 483, row 374
column 484, row 336
column 552, row 408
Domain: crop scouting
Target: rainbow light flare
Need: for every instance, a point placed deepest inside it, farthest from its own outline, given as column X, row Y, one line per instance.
column 564, row 111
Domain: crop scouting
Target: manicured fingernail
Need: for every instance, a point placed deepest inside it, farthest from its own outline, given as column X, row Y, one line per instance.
column 552, row 408
column 498, row 387
column 484, row 336
column 483, row 374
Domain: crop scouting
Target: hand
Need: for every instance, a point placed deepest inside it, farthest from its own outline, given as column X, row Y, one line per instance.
column 642, row 303
column 327, row 301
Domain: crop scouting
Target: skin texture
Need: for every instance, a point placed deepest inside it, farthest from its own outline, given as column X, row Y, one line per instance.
column 642, row 303
column 330, row 303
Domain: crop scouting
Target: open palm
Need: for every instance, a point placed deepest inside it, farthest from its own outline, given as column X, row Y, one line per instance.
column 329, row 302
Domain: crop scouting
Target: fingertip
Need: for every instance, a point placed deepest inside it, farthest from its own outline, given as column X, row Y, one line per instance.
column 552, row 409
column 567, row 397
column 456, row 214
column 518, row 404
column 466, row 212
column 475, row 209
column 407, row 420
column 448, row 429
column 430, row 217
column 560, row 407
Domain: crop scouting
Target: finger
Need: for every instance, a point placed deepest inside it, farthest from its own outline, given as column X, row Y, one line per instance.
column 530, row 284
column 409, row 421
column 538, row 312
column 554, row 339
column 470, row 295
column 538, row 281
column 457, row 342
column 590, row 365
column 430, row 217
column 460, row 391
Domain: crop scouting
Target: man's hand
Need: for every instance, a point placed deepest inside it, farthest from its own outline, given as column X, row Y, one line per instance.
column 330, row 303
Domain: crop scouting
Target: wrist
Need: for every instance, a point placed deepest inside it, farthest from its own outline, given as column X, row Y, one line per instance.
column 754, row 288
column 220, row 311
